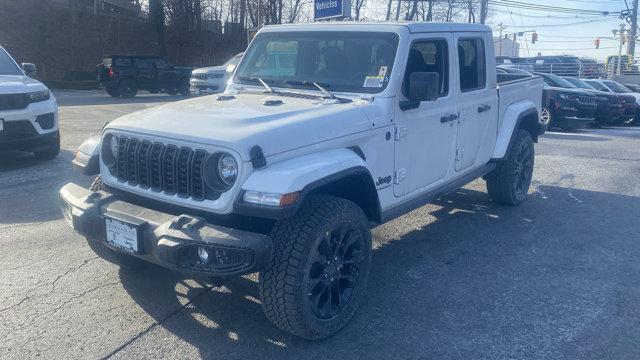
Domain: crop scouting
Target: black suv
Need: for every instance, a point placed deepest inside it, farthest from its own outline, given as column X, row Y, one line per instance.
column 564, row 105
column 609, row 109
column 124, row 75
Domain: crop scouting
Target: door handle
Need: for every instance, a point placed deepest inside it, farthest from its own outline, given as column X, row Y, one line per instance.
column 484, row 108
column 449, row 117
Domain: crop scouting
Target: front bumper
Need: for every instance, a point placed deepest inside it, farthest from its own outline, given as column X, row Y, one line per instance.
column 608, row 113
column 210, row 86
column 166, row 239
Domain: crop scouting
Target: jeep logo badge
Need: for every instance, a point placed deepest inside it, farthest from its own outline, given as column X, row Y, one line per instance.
column 383, row 180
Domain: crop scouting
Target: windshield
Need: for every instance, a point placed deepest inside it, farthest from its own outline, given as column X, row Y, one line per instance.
column 7, row 65
column 556, row 81
column 579, row 83
column 520, row 61
column 339, row 61
column 597, row 85
column 617, row 88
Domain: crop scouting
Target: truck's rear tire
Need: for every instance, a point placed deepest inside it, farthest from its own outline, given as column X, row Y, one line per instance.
column 509, row 183
column 320, row 267
column 127, row 88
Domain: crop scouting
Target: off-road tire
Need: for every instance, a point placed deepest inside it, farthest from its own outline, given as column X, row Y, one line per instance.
column 501, row 182
column 49, row 153
column 283, row 285
column 127, row 89
column 97, row 184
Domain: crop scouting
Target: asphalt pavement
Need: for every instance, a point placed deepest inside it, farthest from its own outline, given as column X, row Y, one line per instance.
column 555, row 278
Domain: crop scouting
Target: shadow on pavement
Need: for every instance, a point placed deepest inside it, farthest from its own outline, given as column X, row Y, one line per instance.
column 473, row 279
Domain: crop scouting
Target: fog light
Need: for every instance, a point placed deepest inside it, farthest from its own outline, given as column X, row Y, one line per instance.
column 203, row 254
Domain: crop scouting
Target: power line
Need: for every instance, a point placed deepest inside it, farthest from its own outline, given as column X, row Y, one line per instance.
column 548, row 16
column 548, row 8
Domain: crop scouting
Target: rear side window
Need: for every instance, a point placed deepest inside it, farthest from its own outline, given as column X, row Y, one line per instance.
column 428, row 56
column 471, row 61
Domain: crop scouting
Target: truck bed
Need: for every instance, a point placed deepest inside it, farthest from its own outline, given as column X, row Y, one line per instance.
column 516, row 88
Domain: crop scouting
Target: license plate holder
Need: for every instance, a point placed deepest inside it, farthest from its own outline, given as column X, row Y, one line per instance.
column 124, row 233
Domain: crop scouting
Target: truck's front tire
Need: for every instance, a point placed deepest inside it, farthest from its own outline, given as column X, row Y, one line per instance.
column 509, row 183
column 319, row 269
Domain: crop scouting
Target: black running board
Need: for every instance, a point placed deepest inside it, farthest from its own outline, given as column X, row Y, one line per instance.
column 426, row 198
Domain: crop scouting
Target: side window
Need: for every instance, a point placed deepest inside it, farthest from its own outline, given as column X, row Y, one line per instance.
column 471, row 60
column 122, row 62
column 428, row 56
column 161, row 64
column 142, row 63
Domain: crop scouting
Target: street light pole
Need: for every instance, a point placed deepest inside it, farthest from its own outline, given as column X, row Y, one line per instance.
column 621, row 33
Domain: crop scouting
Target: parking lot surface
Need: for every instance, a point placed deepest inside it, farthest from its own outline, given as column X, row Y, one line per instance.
column 463, row 278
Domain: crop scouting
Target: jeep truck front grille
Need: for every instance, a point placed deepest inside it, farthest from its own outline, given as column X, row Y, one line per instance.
column 163, row 168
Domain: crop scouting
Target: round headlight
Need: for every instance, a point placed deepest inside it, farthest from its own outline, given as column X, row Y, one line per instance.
column 227, row 169
column 110, row 149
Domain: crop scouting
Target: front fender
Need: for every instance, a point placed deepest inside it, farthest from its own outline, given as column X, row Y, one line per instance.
column 87, row 159
column 513, row 114
column 295, row 174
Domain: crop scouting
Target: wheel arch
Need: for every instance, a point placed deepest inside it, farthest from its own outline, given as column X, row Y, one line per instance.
column 519, row 116
column 338, row 172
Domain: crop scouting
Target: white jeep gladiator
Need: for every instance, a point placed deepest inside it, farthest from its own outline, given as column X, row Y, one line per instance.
column 324, row 131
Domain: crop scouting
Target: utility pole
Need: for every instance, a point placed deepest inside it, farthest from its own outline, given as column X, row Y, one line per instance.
column 633, row 32
column 483, row 10
column 621, row 34
column 500, row 27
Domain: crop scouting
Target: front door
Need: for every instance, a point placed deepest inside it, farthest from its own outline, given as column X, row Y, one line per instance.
column 425, row 135
column 478, row 101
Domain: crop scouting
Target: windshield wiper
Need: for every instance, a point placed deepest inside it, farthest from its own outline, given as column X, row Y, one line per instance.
column 327, row 94
column 262, row 82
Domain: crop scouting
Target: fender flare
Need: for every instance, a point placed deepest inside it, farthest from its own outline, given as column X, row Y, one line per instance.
column 511, row 120
column 304, row 174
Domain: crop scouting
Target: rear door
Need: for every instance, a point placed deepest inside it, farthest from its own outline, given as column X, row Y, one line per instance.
column 478, row 101
column 425, row 135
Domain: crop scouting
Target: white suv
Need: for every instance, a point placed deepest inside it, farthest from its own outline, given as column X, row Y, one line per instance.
column 213, row 79
column 28, row 111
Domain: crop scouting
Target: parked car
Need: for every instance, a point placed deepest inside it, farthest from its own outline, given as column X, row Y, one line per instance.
column 563, row 65
column 28, row 111
column 124, row 75
column 501, row 69
column 630, row 109
column 212, row 80
column 608, row 106
column 514, row 62
column 285, row 173
column 564, row 105
column 633, row 87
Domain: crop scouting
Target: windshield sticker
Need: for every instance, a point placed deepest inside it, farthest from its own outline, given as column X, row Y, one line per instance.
column 373, row 81
column 382, row 71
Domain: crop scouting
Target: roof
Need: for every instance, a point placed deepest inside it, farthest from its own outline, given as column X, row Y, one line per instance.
column 412, row 26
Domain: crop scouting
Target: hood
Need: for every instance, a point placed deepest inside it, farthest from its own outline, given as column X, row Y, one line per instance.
column 569, row 90
column 211, row 69
column 15, row 84
column 248, row 120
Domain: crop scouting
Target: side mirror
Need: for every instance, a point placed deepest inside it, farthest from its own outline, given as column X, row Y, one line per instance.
column 424, row 86
column 29, row 69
